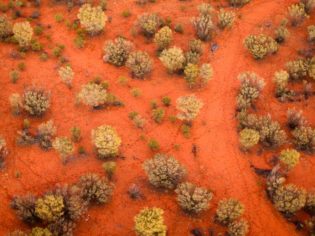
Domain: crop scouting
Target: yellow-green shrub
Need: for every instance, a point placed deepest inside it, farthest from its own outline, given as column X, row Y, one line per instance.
column 140, row 64
column 150, row 222
column 173, row 59
column 49, row 208
column 289, row 158
column 229, row 210
column 249, row 138
column 23, row 33
column 163, row 38
column 188, row 107
column 106, row 141
column 92, row 19
column 260, row 45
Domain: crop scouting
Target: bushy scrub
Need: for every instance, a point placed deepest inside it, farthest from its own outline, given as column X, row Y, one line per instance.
column 203, row 24
column 92, row 19
column 297, row 69
column 164, row 171
column 249, row 138
column 163, row 38
column 271, row 134
column 225, row 19
column 23, row 33
column 149, row 24
column 289, row 158
column 251, row 86
column 282, row 32
column 36, row 101
column 93, row 94
column 193, row 199
column 229, row 210
column 24, row 208
column 295, row 119
column 3, row 151
column 149, row 222
column 106, row 141
column 188, row 107
column 297, row 13
column 5, row 27
column 304, row 138
column 196, row 76
column 281, row 80
column 238, row 228
column 117, row 52
column 38, row 231
column 308, row 5
column 173, row 59
column 45, row 133
column 64, row 147
column 49, row 208
column 289, row 199
column 260, row 45
column 140, row 64
column 311, row 33
column 238, row 3
column 95, row 189
column 66, row 74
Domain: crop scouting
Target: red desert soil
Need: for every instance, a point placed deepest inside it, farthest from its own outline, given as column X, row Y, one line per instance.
column 219, row 165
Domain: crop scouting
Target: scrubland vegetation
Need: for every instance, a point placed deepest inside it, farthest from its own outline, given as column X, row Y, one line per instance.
column 130, row 101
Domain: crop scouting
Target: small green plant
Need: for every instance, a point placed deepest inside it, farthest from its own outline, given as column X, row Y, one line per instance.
column 75, row 134
column 135, row 92
column 14, row 76
column 126, row 13
column 59, row 17
column 38, row 30
column 178, row 28
column 158, row 115
column 166, row 101
column 186, row 130
column 109, row 168
column 153, row 145
column 58, row 50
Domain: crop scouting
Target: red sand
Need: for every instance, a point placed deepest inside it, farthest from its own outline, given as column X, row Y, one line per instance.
column 219, row 164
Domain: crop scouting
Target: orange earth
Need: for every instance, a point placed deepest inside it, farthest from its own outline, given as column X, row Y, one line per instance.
column 219, row 164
